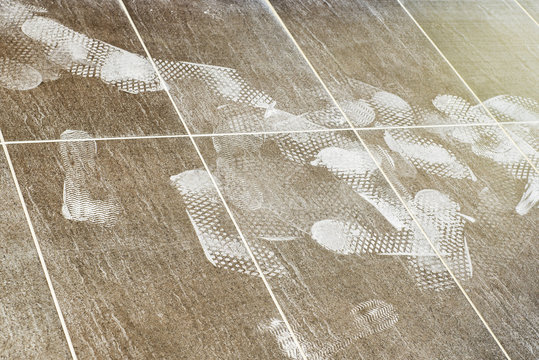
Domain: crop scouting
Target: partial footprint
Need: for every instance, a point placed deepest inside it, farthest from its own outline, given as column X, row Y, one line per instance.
column 216, row 233
column 287, row 344
column 443, row 223
column 427, row 155
column 373, row 316
column 86, row 196
column 279, row 120
column 346, row 238
column 530, row 198
column 17, row 76
column 513, row 108
column 357, row 169
column 359, row 112
column 367, row 318
column 491, row 143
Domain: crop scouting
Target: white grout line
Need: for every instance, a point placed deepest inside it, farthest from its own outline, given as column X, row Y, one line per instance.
column 389, row 182
column 38, row 249
column 276, row 132
column 526, row 11
column 253, row 258
column 467, row 86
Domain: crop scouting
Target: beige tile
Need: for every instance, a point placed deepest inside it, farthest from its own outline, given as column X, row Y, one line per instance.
column 530, row 7
column 358, row 279
column 142, row 253
column 526, row 138
column 475, row 195
column 131, row 275
column 491, row 43
column 76, row 64
column 31, row 327
column 361, row 48
column 232, row 68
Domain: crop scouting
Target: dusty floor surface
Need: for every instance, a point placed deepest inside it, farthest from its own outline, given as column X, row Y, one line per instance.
column 282, row 179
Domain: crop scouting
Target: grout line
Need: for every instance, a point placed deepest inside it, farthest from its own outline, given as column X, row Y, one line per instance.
column 253, row 258
column 389, row 182
column 526, row 11
column 276, row 132
column 467, row 86
column 38, row 249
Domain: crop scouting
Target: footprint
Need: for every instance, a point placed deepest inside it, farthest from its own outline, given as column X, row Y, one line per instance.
column 85, row 197
column 245, row 193
column 356, row 168
column 513, row 108
column 392, row 110
column 443, row 223
column 367, row 318
column 373, row 316
column 348, row 238
column 17, row 76
column 216, row 233
column 491, row 143
column 83, row 56
column 223, row 81
column 427, row 155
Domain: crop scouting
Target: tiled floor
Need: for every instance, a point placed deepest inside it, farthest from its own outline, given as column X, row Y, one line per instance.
column 269, row 179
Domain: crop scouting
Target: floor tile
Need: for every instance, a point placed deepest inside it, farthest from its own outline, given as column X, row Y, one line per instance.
column 132, row 277
column 357, row 280
column 30, row 325
column 147, row 261
column 228, row 62
column 491, row 43
column 76, row 64
column 530, row 7
column 476, row 198
column 526, row 137
column 372, row 51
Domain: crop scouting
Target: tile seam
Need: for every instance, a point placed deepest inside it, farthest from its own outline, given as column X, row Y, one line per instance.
column 526, row 12
column 485, row 324
column 309, row 131
column 38, row 249
column 466, row 84
column 240, row 233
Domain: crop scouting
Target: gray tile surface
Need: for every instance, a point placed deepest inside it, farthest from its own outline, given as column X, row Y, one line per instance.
column 132, row 279
column 77, row 65
column 302, row 243
column 360, row 48
column 491, row 43
column 30, row 325
column 358, row 281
